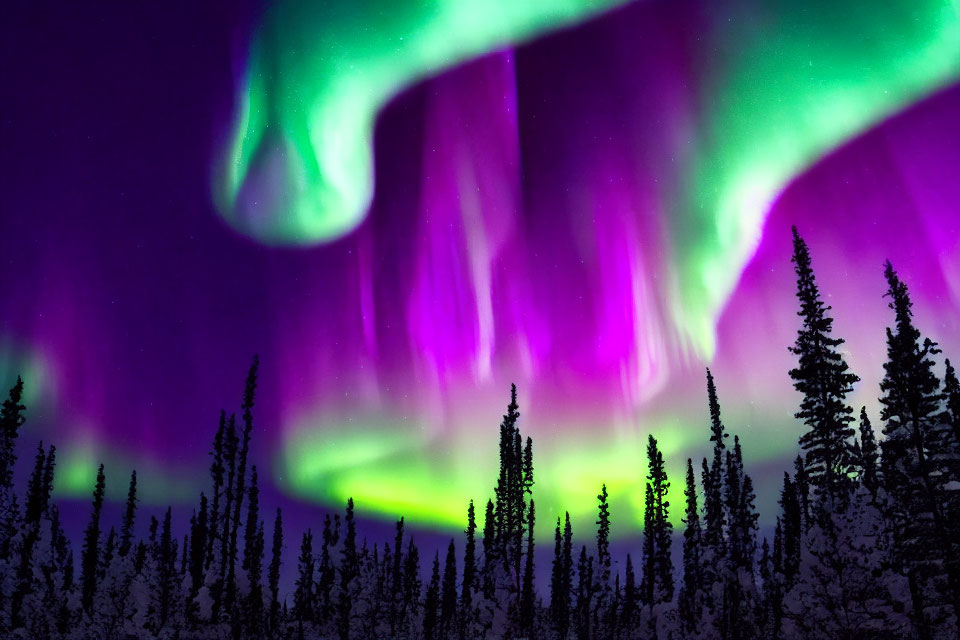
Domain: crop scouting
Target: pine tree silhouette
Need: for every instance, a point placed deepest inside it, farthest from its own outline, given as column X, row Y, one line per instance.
column 431, row 601
column 662, row 528
column 349, row 570
column 468, row 585
column 911, row 410
column 631, row 597
column 691, row 591
column 869, row 454
column 303, row 595
column 273, row 573
column 448, row 591
column 527, row 604
column 217, row 471
column 824, row 378
column 91, row 547
column 11, row 419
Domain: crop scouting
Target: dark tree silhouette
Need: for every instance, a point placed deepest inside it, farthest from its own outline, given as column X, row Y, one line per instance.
column 91, row 547
column 824, row 378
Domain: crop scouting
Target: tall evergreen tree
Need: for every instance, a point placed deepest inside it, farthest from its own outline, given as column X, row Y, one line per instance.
column 792, row 528
column 585, row 593
column 562, row 578
column 349, row 571
column 273, row 573
column 662, row 528
column 469, row 570
column 91, row 547
column 824, row 378
column 691, row 591
column 648, row 578
column 198, row 546
column 239, row 491
column 631, row 598
column 224, row 588
column 33, row 508
column 253, row 556
column 129, row 516
column 303, row 594
column 714, row 518
column 527, row 604
column 911, row 410
column 869, row 454
column 46, row 488
column 603, row 542
column 431, row 601
column 217, row 470
column 166, row 575
column 11, row 419
column 448, row 592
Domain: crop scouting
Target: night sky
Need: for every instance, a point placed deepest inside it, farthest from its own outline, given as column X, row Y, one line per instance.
column 404, row 210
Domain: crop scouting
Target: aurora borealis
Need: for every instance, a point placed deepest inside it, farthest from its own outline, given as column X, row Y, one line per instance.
column 594, row 213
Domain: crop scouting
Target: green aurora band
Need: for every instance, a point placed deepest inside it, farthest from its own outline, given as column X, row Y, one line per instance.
column 320, row 72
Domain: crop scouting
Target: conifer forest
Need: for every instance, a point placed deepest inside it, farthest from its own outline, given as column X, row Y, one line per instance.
column 866, row 543
column 480, row 320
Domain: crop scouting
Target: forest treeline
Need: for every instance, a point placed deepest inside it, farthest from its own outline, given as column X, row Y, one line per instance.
column 866, row 542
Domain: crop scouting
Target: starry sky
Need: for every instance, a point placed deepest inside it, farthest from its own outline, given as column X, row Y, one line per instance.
column 403, row 207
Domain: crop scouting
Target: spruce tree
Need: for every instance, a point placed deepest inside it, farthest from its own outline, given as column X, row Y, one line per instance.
column 714, row 519
column 303, row 594
column 561, row 578
column 91, row 547
column 648, row 578
column 166, row 575
column 556, row 580
column 448, row 591
column 792, row 528
column 11, row 419
column 253, row 555
column 431, row 600
column 603, row 543
column 349, row 571
column 824, row 378
column 490, row 551
column 411, row 582
column 33, row 508
column 662, row 528
column 273, row 573
column 469, row 571
column 217, row 471
column 224, row 587
column 396, row 601
column 239, row 489
column 46, row 489
column 585, row 592
column 802, row 488
column 911, row 411
column 527, row 605
column 198, row 546
column 869, row 454
column 688, row 600
column 129, row 516
column 631, row 597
